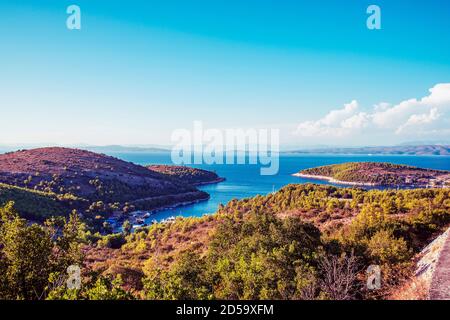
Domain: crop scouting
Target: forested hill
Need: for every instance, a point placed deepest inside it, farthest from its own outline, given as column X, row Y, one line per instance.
column 189, row 175
column 376, row 173
column 104, row 182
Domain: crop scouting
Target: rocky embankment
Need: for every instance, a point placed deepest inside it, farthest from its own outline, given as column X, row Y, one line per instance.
column 431, row 279
column 440, row 282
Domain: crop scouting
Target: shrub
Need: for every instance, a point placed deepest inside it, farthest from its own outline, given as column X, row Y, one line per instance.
column 113, row 241
column 384, row 248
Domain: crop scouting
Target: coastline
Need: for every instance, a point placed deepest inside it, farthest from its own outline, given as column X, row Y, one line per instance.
column 204, row 183
column 118, row 217
column 333, row 180
column 170, row 206
column 140, row 214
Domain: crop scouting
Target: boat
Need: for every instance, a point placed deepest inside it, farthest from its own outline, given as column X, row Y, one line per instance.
column 169, row 219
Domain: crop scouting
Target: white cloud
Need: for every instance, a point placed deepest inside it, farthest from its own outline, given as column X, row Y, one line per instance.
column 440, row 95
column 336, row 116
column 419, row 120
column 335, row 123
column 412, row 118
column 382, row 106
column 356, row 121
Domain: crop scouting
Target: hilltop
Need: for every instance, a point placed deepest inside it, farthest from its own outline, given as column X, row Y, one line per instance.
column 378, row 174
column 105, row 183
column 188, row 175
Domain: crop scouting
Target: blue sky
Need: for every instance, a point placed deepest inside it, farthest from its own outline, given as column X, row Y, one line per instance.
column 137, row 70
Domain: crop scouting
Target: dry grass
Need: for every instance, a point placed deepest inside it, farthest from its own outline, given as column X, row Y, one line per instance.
column 414, row 289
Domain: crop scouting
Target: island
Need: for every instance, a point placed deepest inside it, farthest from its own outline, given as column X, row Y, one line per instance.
column 434, row 150
column 378, row 174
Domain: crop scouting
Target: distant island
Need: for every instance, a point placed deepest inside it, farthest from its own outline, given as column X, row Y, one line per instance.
column 417, row 149
column 378, row 174
column 126, row 149
column 437, row 150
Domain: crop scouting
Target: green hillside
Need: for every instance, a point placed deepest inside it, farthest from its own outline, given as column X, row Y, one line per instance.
column 35, row 205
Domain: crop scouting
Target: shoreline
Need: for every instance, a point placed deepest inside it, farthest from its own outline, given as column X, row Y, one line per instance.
column 218, row 180
column 333, row 180
column 139, row 214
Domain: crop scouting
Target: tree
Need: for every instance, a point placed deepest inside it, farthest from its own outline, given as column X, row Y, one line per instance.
column 184, row 280
column 96, row 288
column 127, row 227
column 262, row 257
column 105, row 289
column 107, row 227
column 383, row 248
column 32, row 253
column 339, row 276
column 27, row 254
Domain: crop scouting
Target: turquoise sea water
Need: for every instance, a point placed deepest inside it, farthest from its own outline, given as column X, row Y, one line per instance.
column 243, row 181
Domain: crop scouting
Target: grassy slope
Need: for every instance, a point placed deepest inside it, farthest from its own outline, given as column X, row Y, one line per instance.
column 32, row 204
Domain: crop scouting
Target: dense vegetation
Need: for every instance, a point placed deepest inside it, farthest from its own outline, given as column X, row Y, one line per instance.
column 187, row 175
column 38, row 205
column 387, row 174
column 295, row 244
column 304, row 242
column 35, row 260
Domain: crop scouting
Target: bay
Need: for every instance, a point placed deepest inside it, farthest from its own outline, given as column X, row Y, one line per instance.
column 245, row 181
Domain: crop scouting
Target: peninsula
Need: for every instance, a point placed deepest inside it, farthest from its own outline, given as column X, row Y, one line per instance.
column 54, row 181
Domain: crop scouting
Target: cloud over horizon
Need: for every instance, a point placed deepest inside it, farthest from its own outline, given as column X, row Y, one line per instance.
column 424, row 118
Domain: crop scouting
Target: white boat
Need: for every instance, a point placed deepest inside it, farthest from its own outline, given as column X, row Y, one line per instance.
column 169, row 219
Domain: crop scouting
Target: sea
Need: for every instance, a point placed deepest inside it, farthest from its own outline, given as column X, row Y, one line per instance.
column 245, row 181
